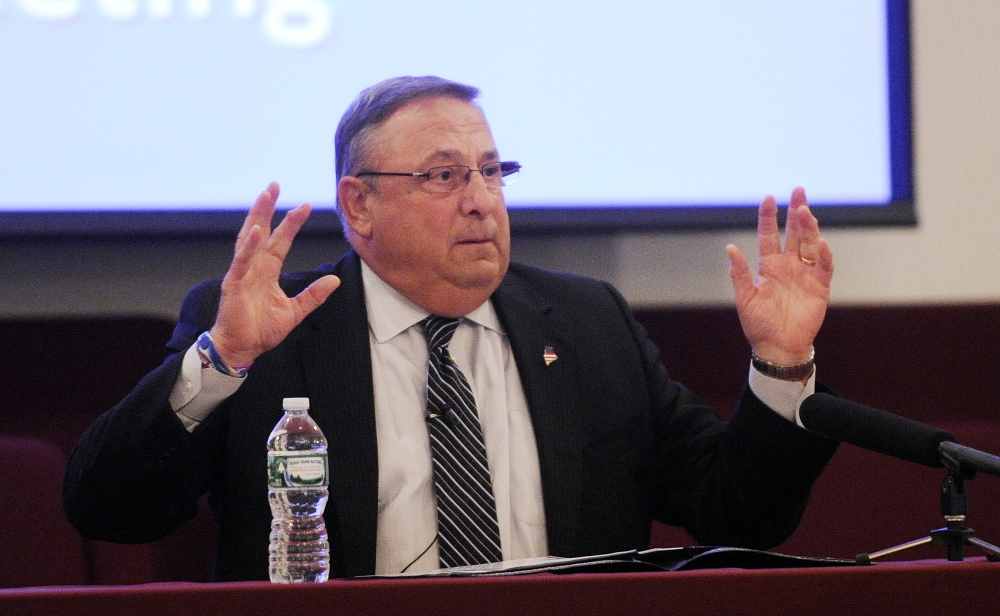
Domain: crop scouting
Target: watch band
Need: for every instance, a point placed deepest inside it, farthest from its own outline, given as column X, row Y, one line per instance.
column 797, row 372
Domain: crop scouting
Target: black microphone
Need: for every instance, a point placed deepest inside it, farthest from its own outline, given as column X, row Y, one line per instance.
column 969, row 460
column 873, row 429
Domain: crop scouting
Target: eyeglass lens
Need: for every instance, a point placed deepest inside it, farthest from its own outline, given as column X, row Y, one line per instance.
column 453, row 177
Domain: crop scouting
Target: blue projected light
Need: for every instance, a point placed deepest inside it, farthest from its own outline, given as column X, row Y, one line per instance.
column 172, row 115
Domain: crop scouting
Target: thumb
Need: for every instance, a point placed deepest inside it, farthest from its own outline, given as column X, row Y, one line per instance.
column 314, row 295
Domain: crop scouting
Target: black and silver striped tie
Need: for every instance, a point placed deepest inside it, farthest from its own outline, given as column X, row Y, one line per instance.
column 467, row 518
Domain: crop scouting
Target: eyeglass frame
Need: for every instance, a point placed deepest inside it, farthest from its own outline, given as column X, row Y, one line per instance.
column 507, row 168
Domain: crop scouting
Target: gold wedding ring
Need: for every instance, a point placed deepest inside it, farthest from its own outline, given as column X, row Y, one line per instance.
column 807, row 261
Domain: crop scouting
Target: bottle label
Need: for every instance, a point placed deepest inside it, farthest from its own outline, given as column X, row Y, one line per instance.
column 297, row 469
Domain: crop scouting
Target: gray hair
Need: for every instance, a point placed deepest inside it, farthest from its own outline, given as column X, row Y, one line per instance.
column 375, row 104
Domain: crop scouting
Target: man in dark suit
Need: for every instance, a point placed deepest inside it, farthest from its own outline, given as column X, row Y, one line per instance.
column 586, row 436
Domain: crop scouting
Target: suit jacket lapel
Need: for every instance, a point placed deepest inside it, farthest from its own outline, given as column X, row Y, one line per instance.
column 338, row 373
column 532, row 324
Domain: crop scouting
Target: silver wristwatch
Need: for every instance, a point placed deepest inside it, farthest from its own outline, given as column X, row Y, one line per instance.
column 797, row 372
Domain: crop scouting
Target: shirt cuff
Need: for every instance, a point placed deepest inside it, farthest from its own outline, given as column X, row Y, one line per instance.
column 783, row 397
column 199, row 390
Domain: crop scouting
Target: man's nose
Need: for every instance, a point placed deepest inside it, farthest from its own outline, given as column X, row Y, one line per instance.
column 477, row 197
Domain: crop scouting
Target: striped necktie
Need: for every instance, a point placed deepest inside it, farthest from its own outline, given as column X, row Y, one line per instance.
column 468, row 533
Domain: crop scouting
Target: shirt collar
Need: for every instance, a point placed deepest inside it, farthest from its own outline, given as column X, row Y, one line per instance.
column 390, row 313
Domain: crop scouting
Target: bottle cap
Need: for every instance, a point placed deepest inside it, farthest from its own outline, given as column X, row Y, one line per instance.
column 295, row 404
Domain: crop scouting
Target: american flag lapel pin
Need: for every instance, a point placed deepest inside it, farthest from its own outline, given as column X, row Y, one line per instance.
column 549, row 355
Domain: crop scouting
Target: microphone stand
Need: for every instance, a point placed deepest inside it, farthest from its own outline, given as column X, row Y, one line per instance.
column 954, row 507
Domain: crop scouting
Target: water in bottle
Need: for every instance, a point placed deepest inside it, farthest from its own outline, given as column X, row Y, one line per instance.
column 298, row 481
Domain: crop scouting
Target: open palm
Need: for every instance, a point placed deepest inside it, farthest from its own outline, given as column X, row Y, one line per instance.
column 781, row 312
column 254, row 313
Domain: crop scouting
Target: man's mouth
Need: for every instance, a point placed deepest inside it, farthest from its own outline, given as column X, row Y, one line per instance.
column 479, row 239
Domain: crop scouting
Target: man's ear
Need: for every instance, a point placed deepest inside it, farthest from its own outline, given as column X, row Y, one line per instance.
column 352, row 195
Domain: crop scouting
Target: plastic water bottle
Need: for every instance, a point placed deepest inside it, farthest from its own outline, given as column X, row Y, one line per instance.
column 298, row 490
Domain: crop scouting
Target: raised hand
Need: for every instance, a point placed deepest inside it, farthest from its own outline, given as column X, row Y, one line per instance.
column 782, row 311
column 254, row 313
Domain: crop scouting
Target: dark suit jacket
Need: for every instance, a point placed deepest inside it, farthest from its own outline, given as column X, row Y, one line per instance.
column 619, row 443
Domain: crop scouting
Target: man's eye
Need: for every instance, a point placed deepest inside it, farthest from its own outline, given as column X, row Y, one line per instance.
column 491, row 171
column 441, row 175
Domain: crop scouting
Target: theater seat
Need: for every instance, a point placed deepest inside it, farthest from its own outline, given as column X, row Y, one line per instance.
column 39, row 413
column 38, row 547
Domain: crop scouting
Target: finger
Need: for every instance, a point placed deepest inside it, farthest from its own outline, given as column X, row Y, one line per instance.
column 261, row 211
column 245, row 250
column 739, row 271
column 805, row 242
column 793, row 224
column 284, row 234
column 248, row 239
column 798, row 197
column 825, row 262
column 768, row 235
column 314, row 295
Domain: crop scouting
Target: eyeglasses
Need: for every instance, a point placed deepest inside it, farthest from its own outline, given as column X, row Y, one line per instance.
column 455, row 177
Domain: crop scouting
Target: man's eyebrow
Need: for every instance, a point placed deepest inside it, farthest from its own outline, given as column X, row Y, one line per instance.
column 454, row 156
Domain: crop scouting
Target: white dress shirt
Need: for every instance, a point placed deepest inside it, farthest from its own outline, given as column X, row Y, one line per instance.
column 407, row 520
